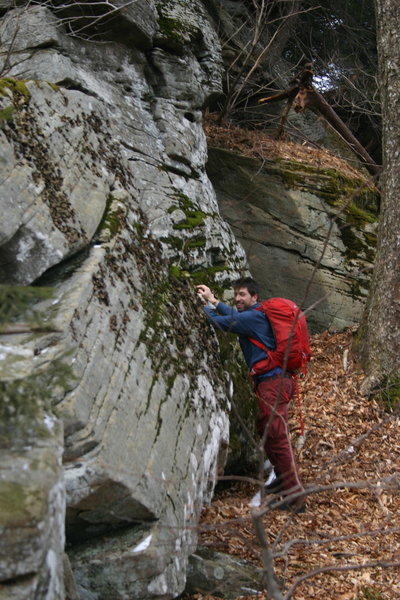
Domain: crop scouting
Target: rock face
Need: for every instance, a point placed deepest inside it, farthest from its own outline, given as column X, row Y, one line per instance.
column 108, row 203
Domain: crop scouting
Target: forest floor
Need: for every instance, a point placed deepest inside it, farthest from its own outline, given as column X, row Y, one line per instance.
column 346, row 545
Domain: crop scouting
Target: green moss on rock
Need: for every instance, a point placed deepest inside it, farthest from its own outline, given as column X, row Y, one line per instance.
column 354, row 201
column 16, row 89
column 176, row 30
column 113, row 219
column 54, row 86
column 6, row 114
column 197, row 242
column 19, row 505
column 356, row 195
column 194, row 216
column 174, row 242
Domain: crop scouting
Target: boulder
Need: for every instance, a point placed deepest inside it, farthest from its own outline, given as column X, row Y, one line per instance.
column 222, row 575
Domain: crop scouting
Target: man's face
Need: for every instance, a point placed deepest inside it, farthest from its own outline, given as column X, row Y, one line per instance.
column 243, row 299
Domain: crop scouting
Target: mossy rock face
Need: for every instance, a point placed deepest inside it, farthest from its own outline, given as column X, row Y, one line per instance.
column 114, row 217
column 332, row 185
column 6, row 113
column 196, row 259
column 243, row 454
column 175, row 34
column 57, row 166
column 193, row 216
column 15, row 89
column 177, row 26
column 175, row 311
column 19, row 504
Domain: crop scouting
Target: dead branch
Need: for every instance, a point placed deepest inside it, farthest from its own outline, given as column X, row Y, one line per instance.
column 332, row 568
column 261, row 20
column 350, row 450
column 334, row 538
column 16, row 328
column 269, row 577
column 303, row 95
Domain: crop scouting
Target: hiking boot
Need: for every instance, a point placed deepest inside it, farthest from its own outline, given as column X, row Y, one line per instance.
column 295, row 506
column 275, row 487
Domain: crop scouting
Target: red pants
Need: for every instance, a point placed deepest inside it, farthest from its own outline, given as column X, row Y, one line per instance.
column 272, row 422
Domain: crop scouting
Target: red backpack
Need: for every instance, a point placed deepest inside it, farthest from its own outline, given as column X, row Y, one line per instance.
column 292, row 340
column 292, row 351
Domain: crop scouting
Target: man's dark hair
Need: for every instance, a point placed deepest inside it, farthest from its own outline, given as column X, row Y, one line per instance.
column 248, row 283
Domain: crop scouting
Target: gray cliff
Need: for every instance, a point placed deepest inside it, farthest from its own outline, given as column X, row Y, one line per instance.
column 115, row 408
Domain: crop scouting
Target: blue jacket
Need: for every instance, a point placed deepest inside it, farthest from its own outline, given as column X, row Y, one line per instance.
column 249, row 322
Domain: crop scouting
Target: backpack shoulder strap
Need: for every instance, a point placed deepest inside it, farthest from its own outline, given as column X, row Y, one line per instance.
column 258, row 343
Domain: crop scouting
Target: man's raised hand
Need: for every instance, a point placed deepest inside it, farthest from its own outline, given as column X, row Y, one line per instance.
column 206, row 295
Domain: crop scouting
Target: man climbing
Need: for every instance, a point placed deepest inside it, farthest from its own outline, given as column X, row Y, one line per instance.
column 273, row 393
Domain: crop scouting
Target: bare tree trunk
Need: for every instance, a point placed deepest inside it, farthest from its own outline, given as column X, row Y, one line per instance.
column 378, row 340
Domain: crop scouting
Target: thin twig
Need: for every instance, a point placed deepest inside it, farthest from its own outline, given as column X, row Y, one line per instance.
column 332, row 568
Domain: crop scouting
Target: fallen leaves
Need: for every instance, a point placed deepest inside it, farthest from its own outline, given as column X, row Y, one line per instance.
column 349, row 441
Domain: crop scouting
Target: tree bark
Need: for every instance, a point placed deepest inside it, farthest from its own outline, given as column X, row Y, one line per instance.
column 378, row 338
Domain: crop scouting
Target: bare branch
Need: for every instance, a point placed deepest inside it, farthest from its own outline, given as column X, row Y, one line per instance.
column 15, row 328
column 334, row 538
column 332, row 568
column 269, row 578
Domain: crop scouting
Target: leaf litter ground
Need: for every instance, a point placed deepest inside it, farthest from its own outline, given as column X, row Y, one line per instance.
column 348, row 439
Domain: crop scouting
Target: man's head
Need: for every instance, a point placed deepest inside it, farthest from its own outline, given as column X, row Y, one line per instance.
column 246, row 292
